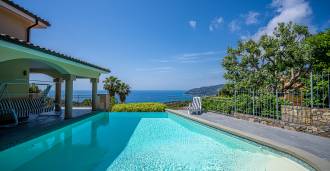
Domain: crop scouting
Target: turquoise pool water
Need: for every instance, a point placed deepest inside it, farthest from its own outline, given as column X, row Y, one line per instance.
column 143, row 141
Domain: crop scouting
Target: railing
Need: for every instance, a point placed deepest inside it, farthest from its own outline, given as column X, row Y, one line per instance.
column 82, row 101
column 305, row 108
column 78, row 100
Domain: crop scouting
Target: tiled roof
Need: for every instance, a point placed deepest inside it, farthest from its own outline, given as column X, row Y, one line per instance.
column 47, row 51
column 26, row 11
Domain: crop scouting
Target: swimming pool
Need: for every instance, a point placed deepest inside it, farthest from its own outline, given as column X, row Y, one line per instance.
column 143, row 141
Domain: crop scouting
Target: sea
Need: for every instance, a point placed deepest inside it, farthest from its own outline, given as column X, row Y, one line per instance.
column 136, row 95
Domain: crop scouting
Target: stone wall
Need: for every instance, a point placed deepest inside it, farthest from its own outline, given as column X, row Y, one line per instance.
column 306, row 115
column 313, row 121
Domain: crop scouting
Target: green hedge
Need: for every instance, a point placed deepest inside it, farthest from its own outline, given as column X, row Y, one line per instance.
column 139, row 107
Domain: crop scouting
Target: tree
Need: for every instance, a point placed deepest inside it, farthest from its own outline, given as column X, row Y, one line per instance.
column 123, row 91
column 320, row 47
column 286, row 55
column 111, row 84
column 86, row 102
column 34, row 88
column 274, row 62
column 243, row 69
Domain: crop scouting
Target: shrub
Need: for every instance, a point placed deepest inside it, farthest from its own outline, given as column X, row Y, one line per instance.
column 34, row 88
column 139, row 107
column 87, row 102
column 221, row 104
column 264, row 104
column 177, row 104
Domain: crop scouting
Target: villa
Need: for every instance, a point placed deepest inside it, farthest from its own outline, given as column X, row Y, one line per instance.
column 238, row 131
column 19, row 58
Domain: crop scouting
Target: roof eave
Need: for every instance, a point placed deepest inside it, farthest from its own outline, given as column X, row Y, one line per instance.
column 25, row 11
column 53, row 53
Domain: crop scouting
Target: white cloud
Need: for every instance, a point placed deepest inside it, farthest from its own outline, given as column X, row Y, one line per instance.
column 192, row 57
column 216, row 23
column 251, row 18
column 163, row 61
column 192, row 24
column 297, row 11
column 198, row 57
column 156, row 69
column 234, row 26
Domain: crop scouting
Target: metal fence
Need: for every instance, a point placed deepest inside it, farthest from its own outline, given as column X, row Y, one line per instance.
column 82, row 101
column 307, row 105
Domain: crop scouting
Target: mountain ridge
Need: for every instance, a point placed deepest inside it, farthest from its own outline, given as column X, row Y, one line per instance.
column 205, row 90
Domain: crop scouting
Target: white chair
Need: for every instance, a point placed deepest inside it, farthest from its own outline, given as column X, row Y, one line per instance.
column 196, row 106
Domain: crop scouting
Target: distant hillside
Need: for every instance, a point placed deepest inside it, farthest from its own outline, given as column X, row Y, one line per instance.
column 205, row 91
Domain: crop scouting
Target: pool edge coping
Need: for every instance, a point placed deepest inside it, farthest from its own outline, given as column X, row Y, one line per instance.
column 312, row 160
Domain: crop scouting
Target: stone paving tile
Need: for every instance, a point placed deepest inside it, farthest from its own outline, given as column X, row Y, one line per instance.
column 319, row 146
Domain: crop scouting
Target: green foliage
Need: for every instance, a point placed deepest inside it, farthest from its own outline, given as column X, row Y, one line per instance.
column 111, row 84
column 86, row 102
column 177, row 105
column 273, row 62
column 263, row 104
column 139, row 107
column 115, row 86
column 320, row 89
column 34, row 88
column 123, row 91
column 226, row 90
column 320, row 47
column 219, row 104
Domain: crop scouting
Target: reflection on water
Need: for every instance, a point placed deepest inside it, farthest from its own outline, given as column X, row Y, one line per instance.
column 93, row 144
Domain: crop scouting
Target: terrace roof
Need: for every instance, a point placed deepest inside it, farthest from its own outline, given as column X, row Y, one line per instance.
column 30, row 45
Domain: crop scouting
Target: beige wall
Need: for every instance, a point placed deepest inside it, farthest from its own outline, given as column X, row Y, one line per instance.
column 12, row 71
column 13, row 24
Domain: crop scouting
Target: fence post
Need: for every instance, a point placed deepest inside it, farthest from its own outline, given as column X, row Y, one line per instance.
column 253, row 103
column 235, row 102
column 276, row 104
column 311, row 88
column 328, row 90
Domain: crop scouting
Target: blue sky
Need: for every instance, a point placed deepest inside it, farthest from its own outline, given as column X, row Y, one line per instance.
column 168, row 44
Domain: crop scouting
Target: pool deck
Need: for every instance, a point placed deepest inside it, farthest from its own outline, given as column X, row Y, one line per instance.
column 315, row 150
column 36, row 126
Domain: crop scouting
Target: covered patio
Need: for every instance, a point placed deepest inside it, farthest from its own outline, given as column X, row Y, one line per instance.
column 19, row 59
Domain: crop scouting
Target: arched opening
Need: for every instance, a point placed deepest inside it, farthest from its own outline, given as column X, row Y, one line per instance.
column 18, row 74
column 21, row 69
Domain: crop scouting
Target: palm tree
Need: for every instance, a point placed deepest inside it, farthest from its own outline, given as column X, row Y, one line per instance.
column 111, row 84
column 123, row 91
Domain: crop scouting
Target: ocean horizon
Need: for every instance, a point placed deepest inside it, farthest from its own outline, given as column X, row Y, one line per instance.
column 135, row 95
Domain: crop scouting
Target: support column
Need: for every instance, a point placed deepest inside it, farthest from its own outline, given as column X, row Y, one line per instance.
column 94, row 92
column 68, row 96
column 58, row 96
